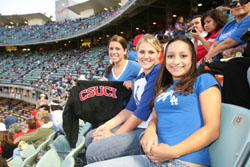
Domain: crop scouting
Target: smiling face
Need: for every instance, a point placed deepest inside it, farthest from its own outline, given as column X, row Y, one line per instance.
column 178, row 59
column 116, row 52
column 241, row 11
column 148, row 56
column 209, row 25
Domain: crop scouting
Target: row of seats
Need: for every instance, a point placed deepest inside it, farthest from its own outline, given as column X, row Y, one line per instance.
column 232, row 149
column 59, row 154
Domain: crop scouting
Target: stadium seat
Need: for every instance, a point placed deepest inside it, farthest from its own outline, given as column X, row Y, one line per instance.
column 87, row 126
column 16, row 162
column 68, row 162
column 31, row 160
column 50, row 158
column 79, row 145
column 61, row 145
column 29, row 150
column 233, row 146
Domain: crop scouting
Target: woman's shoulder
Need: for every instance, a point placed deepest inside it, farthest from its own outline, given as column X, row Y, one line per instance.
column 205, row 81
column 204, row 77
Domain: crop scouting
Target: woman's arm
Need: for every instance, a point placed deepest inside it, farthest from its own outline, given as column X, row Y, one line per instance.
column 179, row 28
column 105, row 129
column 150, row 137
column 210, row 101
column 219, row 48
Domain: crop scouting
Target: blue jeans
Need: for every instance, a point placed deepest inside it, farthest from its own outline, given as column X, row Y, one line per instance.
column 114, row 146
column 137, row 161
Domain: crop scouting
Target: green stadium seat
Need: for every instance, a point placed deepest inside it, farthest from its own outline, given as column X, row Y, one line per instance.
column 16, row 162
column 232, row 149
column 29, row 150
column 50, row 158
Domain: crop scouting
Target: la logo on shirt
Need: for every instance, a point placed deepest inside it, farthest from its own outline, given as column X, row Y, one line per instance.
column 173, row 99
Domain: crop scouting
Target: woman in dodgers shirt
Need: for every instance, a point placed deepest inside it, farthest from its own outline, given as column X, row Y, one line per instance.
column 120, row 136
column 185, row 117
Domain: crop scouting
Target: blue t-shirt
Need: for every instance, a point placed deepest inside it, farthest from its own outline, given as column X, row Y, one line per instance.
column 130, row 72
column 142, row 95
column 182, row 27
column 180, row 116
column 234, row 30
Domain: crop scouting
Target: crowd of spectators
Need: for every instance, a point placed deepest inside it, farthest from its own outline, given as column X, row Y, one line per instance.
column 56, row 30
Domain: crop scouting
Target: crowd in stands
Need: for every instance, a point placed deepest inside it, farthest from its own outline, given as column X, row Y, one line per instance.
column 180, row 92
column 56, row 30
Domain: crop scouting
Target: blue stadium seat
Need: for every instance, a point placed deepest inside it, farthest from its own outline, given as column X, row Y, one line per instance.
column 232, row 149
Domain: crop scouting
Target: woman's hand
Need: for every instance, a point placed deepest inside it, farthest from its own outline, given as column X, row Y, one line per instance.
column 161, row 152
column 148, row 141
column 128, row 84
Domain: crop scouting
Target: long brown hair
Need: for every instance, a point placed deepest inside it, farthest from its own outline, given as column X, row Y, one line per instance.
column 6, row 137
column 165, row 80
column 123, row 42
column 219, row 18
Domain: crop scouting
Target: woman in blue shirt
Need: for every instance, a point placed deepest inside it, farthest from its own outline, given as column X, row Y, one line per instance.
column 120, row 136
column 185, row 117
column 180, row 26
column 121, row 68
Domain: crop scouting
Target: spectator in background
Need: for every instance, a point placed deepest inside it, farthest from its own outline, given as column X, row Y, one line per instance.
column 30, row 125
column 212, row 21
column 163, row 39
column 3, row 162
column 197, row 26
column 236, row 88
column 41, row 101
column 132, row 53
column 2, row 125
column 121, row 68
column 80, row 76
column 17, row 130
column 7, row 145
column 33, row 116
column 10, row 119
column 40, row 135
column 229, row 37
column 44, row 107
column 180, row 27
column 56, row 115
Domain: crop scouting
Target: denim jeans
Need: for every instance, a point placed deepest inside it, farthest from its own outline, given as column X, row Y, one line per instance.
column 137, row 161
column 114, row 146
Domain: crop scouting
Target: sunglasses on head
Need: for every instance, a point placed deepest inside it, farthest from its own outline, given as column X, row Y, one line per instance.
column 242, row 2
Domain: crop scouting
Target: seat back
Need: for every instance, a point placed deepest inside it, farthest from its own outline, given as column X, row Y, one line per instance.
column 61, row 144
column 234, row 136
column 29, row 150
column 79, row 145
column 16, row 162
column 68, row 162
column 30, row 160
column 50, row 158
column 86, row 127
